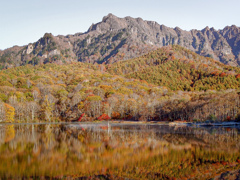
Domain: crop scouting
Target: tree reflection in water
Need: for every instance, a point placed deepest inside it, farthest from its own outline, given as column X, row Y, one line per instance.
column 116, row 150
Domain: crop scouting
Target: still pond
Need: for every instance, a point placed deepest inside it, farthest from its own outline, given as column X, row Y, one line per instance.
column 118, row 151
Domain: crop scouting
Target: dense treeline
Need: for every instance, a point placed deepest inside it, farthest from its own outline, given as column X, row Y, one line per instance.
column 85, row 92
column 179, row 69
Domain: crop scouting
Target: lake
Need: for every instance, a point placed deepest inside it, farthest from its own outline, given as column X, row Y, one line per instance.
column 118, row 151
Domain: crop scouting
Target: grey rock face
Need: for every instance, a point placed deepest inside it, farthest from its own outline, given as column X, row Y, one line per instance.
column 114, row 39
column 222, row 45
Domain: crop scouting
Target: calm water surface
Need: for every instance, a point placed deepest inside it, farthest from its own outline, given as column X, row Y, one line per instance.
column 118, row 151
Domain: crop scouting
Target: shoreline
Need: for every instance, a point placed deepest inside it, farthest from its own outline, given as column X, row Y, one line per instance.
column 174, row 123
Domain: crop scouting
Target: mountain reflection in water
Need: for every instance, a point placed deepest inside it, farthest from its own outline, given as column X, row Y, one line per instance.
column 116, row 151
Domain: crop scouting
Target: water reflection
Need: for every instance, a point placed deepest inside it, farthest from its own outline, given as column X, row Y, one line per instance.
column 114, row 151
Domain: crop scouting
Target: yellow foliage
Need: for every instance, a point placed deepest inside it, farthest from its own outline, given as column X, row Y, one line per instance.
column 106, row 87
column 124, row 90
column 80, row 106
column 19, row 95
column 10, row 112
column 93, row 98
column 10, row 133
column 47, row 108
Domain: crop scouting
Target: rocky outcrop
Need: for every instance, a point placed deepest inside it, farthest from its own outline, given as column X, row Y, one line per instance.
column 222, row 45
column 114, row 39
column 29, row 49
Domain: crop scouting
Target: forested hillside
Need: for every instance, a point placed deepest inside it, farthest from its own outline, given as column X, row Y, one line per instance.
column 86, row 92
column 179, row 69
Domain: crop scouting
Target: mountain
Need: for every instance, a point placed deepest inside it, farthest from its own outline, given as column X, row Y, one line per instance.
column 178, row 68
column 166, row 84
column 115, row 39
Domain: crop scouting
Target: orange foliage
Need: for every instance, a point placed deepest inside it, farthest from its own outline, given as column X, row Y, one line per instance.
column 143, row 81
column 222, row 74
column 224, row 163
column 238, row 76
column 104, row 127
column 215, row 73
column 106, row 87
column 103, row 117
column 89, row 91
column 191, row 62
column 116, row 115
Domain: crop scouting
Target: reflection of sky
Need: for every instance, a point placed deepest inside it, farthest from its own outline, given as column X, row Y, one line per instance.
column 26, row 21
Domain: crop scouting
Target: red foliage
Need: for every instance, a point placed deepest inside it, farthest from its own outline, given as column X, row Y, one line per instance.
column 104, row 127
column 224, row 163
column 81, row 117
column 228, row 118
column 103, row 117
column 222, row 74
column 238, row 76
column 82, row 129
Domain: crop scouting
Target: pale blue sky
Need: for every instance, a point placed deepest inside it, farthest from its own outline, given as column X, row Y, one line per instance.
column 25, row 21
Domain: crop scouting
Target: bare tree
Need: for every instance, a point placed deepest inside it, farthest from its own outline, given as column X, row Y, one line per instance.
column 33, row 107
column 2, row 111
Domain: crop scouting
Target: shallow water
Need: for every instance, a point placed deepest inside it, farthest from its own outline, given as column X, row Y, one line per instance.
column 115, row 151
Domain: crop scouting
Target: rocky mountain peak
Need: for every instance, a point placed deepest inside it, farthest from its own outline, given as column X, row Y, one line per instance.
column 109, row 23
column 110, row 17
column 114, row 39
column 205, row 29
column 178, row 30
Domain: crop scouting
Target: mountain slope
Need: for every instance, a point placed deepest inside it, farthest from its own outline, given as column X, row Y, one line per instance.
column 81, row 91
column 179, row 69
column 114, row 39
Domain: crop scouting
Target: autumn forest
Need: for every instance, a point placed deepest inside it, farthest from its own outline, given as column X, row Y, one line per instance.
column 167, row 84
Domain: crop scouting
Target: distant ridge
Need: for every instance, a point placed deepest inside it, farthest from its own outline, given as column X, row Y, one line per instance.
column 115, row 39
